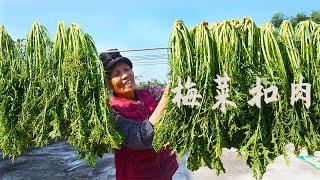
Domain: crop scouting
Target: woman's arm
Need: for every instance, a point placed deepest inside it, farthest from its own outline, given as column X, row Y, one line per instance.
column 158, row 112
column 139, row 135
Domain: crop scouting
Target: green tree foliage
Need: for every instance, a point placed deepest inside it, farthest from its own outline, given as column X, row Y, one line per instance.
column 298, row 18
column 278, row 17
column 152, row 82
column 315, row 16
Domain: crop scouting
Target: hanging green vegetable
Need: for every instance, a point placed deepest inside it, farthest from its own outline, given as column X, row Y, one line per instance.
column 91, row 129
column 15, row 137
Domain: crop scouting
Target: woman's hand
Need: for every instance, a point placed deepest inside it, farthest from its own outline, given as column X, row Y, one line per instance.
column 157, row 113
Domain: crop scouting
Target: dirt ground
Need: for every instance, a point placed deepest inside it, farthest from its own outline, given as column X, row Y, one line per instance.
column 58, row 161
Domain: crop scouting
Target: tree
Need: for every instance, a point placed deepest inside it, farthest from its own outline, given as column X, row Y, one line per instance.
column 298, row 18
column 315, row 16
column 152, row 82
column 277, row 19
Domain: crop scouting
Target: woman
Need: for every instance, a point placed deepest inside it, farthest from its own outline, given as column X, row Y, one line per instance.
column 136, row 113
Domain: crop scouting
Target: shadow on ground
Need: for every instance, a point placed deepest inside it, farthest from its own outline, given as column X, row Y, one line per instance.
column 59, row 161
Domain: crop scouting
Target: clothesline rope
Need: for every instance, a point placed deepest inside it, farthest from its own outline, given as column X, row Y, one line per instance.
column 142, row 49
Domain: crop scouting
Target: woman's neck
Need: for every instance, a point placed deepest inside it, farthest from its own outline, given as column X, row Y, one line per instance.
column 127, row 96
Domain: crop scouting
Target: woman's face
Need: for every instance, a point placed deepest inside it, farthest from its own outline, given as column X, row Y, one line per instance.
column 122, row 80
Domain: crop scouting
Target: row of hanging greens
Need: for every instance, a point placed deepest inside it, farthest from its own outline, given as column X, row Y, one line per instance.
column 53, row 89
column 243, row 51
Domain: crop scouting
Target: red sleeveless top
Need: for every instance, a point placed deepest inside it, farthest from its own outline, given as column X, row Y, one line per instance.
column 133, row 164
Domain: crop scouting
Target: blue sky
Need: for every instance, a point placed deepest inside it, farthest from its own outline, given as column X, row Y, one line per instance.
column 138, row 23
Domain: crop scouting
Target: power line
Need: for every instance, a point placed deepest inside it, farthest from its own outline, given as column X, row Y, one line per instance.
column 148, row 57
column 143, row 60
column 148, row 60
column 142, row 49
column 142, row 64
column 155, row 63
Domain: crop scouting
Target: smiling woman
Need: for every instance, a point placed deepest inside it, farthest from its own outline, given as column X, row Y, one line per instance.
column 122, row 86
column 136, row 112
column 121, row 78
